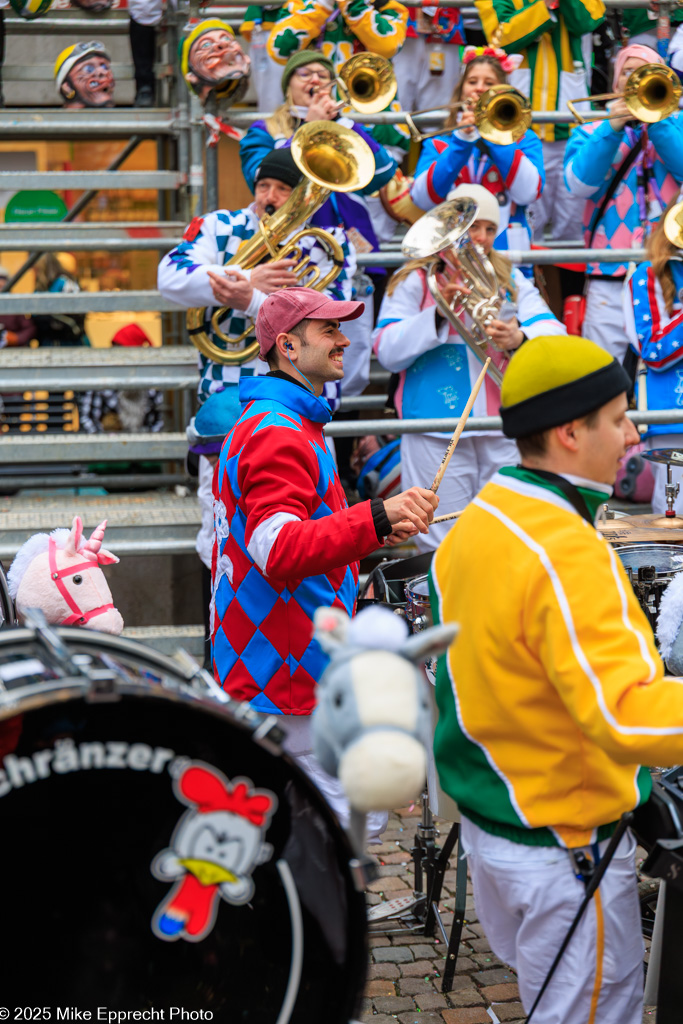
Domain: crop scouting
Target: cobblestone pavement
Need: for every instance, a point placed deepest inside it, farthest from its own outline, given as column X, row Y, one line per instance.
column 404, row 976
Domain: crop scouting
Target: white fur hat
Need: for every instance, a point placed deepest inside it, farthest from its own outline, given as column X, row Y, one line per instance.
column 488, row 208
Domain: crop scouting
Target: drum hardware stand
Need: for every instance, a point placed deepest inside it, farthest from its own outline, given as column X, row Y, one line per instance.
column 592, row 884
column 420, row 912
column 364, row 868
column 672, row 490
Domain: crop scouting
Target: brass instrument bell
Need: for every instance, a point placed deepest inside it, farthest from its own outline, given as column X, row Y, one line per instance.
column 501, row 115
column 652, row 94
column 673, row 225
column 367, row 82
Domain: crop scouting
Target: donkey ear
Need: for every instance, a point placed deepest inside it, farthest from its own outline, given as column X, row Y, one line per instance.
column 331, row 628
column 73, row 543
column 430, row 642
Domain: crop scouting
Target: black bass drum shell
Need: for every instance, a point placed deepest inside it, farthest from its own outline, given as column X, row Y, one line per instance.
column 88, row 801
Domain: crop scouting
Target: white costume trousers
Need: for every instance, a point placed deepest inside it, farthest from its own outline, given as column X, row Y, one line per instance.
column 526, row 898
column 418, row 88
column 556, row 205
column 604, row 319
column 472, row 465
column 299, row 744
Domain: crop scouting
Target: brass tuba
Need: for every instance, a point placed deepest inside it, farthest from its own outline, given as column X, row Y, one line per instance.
column 442, row 234
column 652, row 93
column 501, row 116
column 332, row 159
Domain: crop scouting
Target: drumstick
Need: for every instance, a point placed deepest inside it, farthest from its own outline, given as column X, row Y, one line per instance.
column 450, row 515
column 459, row 429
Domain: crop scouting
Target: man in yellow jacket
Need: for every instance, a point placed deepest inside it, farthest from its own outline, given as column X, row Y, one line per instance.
column 553, row 693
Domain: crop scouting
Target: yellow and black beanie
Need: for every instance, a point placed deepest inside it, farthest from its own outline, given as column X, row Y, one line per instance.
column 557, row 378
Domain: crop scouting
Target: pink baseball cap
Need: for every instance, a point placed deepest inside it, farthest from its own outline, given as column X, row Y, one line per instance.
column 287, row 307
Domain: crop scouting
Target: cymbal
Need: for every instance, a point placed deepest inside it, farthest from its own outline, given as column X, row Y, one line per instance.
column 651, row 529
column 667, row 455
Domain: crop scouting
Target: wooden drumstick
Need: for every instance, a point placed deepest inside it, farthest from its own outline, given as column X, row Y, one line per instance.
column 459, row 429
column 444, row 518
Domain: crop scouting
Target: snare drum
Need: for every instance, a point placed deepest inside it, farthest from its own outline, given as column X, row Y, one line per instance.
column 418, row 608
column 650, row 568
column 158, row 848
column 386, row 584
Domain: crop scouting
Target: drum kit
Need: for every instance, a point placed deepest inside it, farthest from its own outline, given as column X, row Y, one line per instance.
column 650, row 546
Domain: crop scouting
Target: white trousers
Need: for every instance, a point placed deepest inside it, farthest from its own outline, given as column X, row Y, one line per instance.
column 299, row 745
column 472, row 465
column 604, row 319
column 555, row 205
column 526, row 898
column 418, row 88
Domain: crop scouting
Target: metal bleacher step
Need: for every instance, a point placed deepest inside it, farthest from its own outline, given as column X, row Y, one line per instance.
column 137, row 524
column 169, row 639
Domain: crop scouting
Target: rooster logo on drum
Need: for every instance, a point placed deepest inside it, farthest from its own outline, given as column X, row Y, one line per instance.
column 215, row 847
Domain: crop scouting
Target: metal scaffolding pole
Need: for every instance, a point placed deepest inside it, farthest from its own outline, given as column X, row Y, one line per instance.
column 71, row 214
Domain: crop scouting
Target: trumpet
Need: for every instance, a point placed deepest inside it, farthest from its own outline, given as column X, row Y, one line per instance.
column 501, row 116
column 652, row 94
column 331, row 158
column 367, row 82
column 442, row 234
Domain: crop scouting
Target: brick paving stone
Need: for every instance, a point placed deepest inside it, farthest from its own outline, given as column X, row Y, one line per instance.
column 372, row 899
column 431, row 1001
column 383, row 971
column 500, row 993
column 391, row 871
column 425, row 951
column 466, row 997
column 459, row 982
column 419, row 969
column 394, row 858
column 497, row 976
column 464, row 964
column 392, row 955
column 508, row 1011
column 485, row 963
column 376, row 1018
column 414, row 811
column 466, row 1015
column 394, row 1004
column 478, row 945
column 379, row 940
column 420, row 1018
column 379, row 987
column 406, row 940
column 392, row 885
column 411, row 986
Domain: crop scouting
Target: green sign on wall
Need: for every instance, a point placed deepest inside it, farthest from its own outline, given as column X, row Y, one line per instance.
column 35, row 206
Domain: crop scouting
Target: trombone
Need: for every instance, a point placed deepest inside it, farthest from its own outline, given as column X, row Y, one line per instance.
column 331, row 158
column 652, row 94
column 442, row 233
column 501, row 116
column 367, row 82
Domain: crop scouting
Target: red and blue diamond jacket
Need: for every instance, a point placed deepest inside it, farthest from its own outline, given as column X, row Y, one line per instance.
column 285, row 542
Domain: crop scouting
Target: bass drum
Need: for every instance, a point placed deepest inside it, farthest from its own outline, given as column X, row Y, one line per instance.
column 160, row 852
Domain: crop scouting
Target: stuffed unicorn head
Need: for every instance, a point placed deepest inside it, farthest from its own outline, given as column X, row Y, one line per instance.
column 60, row 574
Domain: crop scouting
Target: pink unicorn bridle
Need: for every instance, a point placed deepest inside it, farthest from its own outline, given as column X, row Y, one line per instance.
column 78, row 617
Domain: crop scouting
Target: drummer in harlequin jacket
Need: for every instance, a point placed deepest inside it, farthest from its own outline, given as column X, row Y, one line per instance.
column 286, row 541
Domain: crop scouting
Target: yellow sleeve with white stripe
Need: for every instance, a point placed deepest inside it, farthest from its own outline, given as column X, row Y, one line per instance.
column 587, row 629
